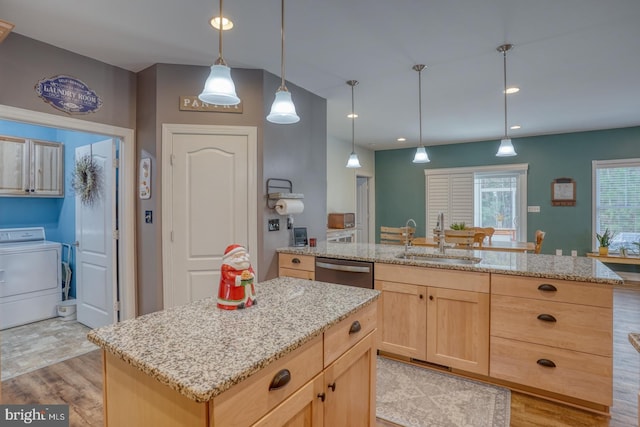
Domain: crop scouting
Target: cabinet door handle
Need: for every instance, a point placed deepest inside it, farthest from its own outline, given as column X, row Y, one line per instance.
column 280, row 380
column 322, row 396
column 332, row 386
column 295, row 260
column 355, row 327
column 546, row 363
column 546, row 318
column 421, row 296
column 430, row 297
column 546, row 287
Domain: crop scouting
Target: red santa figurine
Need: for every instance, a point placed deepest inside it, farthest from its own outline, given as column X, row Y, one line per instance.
column 236, row 288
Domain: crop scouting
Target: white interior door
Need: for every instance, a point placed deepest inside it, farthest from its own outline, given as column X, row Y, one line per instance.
column 362, row 209
column 95, row 225
column 211, row 205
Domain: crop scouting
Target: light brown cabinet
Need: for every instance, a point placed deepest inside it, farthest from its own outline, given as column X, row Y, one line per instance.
column 298, row 266
column 553, row 335
column 328, row 381
column 29, row 167
column 437, row 315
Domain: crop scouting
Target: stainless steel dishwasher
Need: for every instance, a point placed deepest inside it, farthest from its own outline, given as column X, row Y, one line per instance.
column 345, row 272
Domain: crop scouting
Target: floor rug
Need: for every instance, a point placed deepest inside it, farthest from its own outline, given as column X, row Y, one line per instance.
column 410, row 396
column 36, row 345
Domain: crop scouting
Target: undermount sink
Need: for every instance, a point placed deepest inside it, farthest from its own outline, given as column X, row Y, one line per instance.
column 439, row 259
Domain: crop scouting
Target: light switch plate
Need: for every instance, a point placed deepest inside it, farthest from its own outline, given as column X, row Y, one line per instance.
column 534, row 209
column 274, row 224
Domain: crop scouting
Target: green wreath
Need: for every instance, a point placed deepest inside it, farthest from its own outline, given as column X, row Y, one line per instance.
column 86, row 179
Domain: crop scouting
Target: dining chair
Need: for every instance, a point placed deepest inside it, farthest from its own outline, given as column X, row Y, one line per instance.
column 396, row 235
column 539, row 238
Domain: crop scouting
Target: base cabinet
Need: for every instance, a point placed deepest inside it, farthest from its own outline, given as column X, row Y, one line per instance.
column 298, row 266
column 441, row 316
column 332, row 383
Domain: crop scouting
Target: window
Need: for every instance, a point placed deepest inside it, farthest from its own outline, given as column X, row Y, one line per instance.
column 483, row 196
column 616, row 201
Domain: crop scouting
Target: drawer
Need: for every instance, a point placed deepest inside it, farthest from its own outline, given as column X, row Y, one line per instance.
column 300, row 274
column 578, row 375
column 553, row 290
column 576, row 327
column 436, row 277
column 247, row 401
column 342, row 336
column 297, row 262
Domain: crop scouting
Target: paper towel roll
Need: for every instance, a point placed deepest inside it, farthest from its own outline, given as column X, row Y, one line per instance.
column 289, row 206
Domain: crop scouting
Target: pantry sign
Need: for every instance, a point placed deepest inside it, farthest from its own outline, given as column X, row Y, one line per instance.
column 68, row 94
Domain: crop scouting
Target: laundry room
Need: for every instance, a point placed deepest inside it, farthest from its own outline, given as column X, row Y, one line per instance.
column 38, row 242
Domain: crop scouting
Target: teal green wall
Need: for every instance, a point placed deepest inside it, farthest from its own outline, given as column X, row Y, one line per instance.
column 400, row 184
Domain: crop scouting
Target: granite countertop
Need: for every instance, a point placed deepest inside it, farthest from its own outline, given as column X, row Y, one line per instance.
column 634, row 339
column 516, row 263
column 201, row 351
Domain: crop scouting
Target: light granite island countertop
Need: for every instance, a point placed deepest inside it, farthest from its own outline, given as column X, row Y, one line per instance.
column 201, row 351
column 519, row 264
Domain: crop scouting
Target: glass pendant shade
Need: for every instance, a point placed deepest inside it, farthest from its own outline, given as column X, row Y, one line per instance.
column 421, row 156
column 282, row 110
column 353, row 161
column 506, row 148
column 219, row 88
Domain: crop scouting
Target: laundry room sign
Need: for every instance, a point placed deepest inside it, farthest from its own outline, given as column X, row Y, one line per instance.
column 68, row 94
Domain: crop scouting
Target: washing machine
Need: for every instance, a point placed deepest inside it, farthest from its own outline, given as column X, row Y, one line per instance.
column 30, row 276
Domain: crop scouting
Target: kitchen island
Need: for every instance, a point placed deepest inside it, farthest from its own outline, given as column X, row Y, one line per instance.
column 197, row 365
column 540, row 324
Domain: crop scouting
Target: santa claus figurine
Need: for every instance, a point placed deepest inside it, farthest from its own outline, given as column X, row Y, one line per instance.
column 236, row 288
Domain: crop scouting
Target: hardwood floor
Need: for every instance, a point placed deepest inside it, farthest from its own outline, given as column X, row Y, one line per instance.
column 78, row 382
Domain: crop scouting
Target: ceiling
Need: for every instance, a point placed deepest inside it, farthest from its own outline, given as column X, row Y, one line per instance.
column 577, row 62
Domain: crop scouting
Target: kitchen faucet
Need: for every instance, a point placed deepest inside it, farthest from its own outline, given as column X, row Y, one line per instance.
column 407, row 241
column 439, row 231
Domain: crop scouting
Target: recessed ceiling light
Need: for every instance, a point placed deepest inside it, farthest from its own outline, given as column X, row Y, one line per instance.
column 401, row 139
column 513, row 89
column 226, row 24
column 352, row 116
column 515, row 127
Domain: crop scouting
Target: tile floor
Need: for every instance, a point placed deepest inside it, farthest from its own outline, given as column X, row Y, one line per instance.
column 36, row 345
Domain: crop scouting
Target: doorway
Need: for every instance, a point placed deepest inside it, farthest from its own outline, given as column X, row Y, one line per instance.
column 126, row 191
column 364, row 223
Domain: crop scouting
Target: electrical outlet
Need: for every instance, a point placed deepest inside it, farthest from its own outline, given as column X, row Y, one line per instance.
column 558, row 252
column 534, row 209
column 274, row 224
column 574, row 252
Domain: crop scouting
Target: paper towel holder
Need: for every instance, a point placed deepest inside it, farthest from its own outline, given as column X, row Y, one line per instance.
column 279, row 188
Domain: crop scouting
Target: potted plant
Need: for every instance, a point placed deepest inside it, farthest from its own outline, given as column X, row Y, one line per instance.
column 604, row 240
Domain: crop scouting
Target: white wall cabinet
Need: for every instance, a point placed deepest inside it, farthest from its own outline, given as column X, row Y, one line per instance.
column 31, row 167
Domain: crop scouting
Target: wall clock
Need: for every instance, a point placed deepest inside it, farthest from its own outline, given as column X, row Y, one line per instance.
column 563, row 192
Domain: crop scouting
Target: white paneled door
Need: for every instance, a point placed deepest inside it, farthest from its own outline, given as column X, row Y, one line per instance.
column 210, row 192
column 95, row 226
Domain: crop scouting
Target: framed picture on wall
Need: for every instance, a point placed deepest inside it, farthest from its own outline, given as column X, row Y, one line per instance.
column 563, row 192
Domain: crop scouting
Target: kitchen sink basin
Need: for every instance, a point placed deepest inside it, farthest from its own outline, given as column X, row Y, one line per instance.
column 439, row 259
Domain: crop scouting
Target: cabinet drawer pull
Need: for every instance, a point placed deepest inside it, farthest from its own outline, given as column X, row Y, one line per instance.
column 546, row 287
column 546, row 318
column 355, row 327
column 280, row 380
column 296, row 260
column 546, row 363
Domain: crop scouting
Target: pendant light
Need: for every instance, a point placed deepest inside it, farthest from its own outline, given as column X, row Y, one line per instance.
column 353, row 161
column 506, row 147
column 219, row 88
column 421, row 153
column 282, row 110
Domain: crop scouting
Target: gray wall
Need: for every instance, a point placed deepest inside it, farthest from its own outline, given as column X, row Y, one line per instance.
column 296, row 152
column 24, row 62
